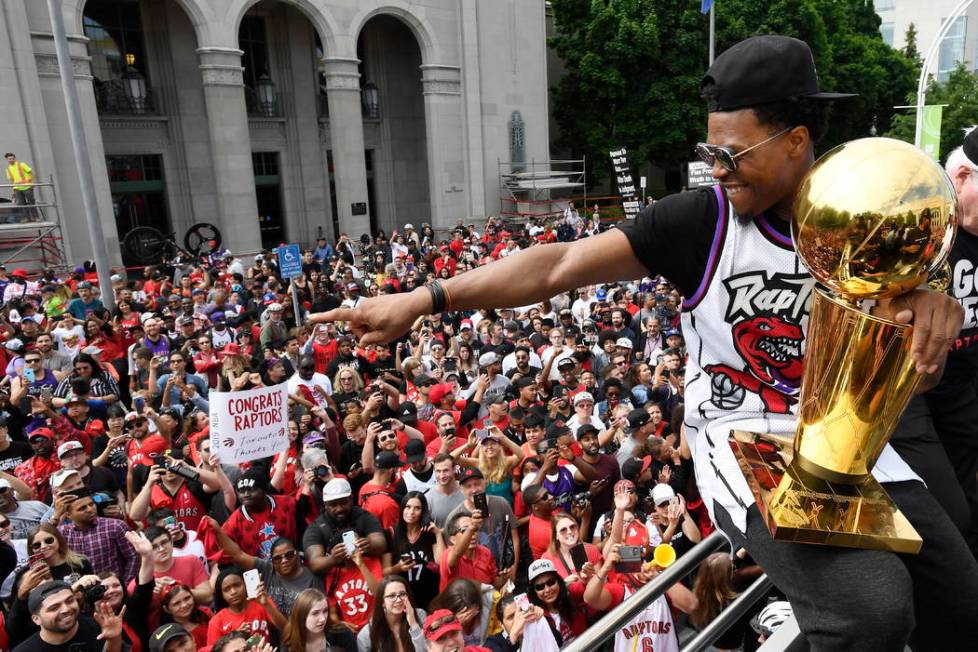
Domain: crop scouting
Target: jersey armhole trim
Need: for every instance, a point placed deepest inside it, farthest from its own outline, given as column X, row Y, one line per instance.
column 716, row 247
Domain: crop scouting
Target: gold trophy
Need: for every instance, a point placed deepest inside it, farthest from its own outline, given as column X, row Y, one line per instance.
column 872, row 219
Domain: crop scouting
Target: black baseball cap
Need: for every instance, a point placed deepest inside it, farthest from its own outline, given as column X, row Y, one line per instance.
column 970, row 146
column 761, row 70
column 387, row 460
column 638, row 418
column 164, row 634
column 407, row 412
column 414, row 451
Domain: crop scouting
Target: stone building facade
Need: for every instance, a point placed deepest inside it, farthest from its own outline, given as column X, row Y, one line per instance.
column 277, row 120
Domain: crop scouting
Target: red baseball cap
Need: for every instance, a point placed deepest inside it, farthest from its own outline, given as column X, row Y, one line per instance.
column 152, row 446
column 440, row 391
column 40, row 432
column 439, row 623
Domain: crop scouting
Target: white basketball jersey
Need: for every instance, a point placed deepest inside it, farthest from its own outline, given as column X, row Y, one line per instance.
column 745, row 334
column 651, row 630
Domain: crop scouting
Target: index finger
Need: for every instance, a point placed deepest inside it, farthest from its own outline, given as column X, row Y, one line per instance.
column 337, row 314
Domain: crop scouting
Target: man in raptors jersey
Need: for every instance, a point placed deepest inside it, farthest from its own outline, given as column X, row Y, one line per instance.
column 729, row 251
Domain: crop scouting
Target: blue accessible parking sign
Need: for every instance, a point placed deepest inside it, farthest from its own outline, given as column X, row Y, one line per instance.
column 289, row 260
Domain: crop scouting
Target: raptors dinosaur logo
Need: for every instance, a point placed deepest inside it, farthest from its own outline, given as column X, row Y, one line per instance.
column 767, row 335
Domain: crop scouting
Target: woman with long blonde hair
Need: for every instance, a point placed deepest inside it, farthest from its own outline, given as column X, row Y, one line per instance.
column 492, row 459
column 308, row 630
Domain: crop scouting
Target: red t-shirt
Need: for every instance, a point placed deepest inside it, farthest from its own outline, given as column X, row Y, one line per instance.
column 427, row 429
column 375, row 499
column 354, row 600
column 253, row 619
column 563, row 565
column 187, row 570
column 539, row 535
column 481, row 568
column 255, row 532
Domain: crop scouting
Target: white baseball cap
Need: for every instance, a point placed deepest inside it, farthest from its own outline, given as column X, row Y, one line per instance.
column 69, row 446
column 583, row 396
column 623, row 342
column 336, row 489
column 58, row 477
column 539, row 567
column 662, row 493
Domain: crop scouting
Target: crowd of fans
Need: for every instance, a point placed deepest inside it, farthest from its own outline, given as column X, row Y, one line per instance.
column 494, row 480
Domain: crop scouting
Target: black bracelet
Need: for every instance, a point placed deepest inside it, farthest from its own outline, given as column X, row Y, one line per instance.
column 438, row 298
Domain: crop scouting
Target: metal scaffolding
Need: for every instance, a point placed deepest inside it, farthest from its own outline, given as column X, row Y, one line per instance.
column 540, row 190
column 30, row 234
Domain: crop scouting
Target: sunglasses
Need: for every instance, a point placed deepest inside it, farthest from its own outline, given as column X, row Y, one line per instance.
column 4, row 524
column 726, row 157
column 386, row 437
column 43, row 542
column 288, row 554
column 438, row 624
column 546, row 584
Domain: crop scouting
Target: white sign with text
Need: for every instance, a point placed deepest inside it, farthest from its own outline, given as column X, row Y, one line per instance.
column 249, row 425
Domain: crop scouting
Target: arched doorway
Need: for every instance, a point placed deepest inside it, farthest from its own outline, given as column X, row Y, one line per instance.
column 394, row 130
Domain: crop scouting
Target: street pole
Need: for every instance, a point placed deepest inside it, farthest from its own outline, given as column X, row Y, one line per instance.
column 295, row 303
column 79, row 147
column 713, row 31
column 932, row 52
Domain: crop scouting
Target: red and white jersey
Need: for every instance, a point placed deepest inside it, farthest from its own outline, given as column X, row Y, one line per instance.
column 651, row 630
column 745, row 334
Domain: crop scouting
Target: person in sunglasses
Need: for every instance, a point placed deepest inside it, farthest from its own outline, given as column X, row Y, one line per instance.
column 562, row 603
column 765, row 114
column 283, row 573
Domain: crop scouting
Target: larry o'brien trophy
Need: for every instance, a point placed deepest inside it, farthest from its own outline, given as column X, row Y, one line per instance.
column 871, row 220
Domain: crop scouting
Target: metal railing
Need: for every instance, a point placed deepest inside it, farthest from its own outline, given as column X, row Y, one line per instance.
column 111, row 98
column 607, row 626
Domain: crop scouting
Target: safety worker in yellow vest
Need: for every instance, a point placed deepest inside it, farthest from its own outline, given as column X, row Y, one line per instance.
column 21, row 176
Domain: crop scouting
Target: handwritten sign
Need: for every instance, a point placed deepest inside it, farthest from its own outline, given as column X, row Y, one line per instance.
column 249, row 425
column 626, row 183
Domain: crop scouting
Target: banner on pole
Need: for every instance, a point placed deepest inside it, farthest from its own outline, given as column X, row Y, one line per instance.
column 249, row 425
column 930, row 133
column 698, row 175
column 626, row 183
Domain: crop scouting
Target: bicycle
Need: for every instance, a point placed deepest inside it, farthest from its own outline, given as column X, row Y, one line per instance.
column 146, row 244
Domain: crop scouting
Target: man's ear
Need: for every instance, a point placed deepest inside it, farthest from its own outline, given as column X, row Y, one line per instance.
column 960, row 177
column 799, row 140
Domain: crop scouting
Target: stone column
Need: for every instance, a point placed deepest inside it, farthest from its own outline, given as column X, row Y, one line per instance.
column 346, row 138
column 77, row 239
column 445, row 135
column 227, row 121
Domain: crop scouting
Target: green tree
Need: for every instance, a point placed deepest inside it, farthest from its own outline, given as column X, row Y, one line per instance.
column 849, row 54
column 959, row 93
column 634, row 69
column 623, row 81
column 910, row 50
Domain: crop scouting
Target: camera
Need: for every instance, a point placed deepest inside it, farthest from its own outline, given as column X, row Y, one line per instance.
column 322, row 472
column 94, row 593
column 581, row 499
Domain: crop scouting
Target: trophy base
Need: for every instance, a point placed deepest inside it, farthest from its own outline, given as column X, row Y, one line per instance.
column 798, row 506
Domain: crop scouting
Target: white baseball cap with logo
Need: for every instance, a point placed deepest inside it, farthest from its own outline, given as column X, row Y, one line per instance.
column 539, row 567
column 69, row 446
